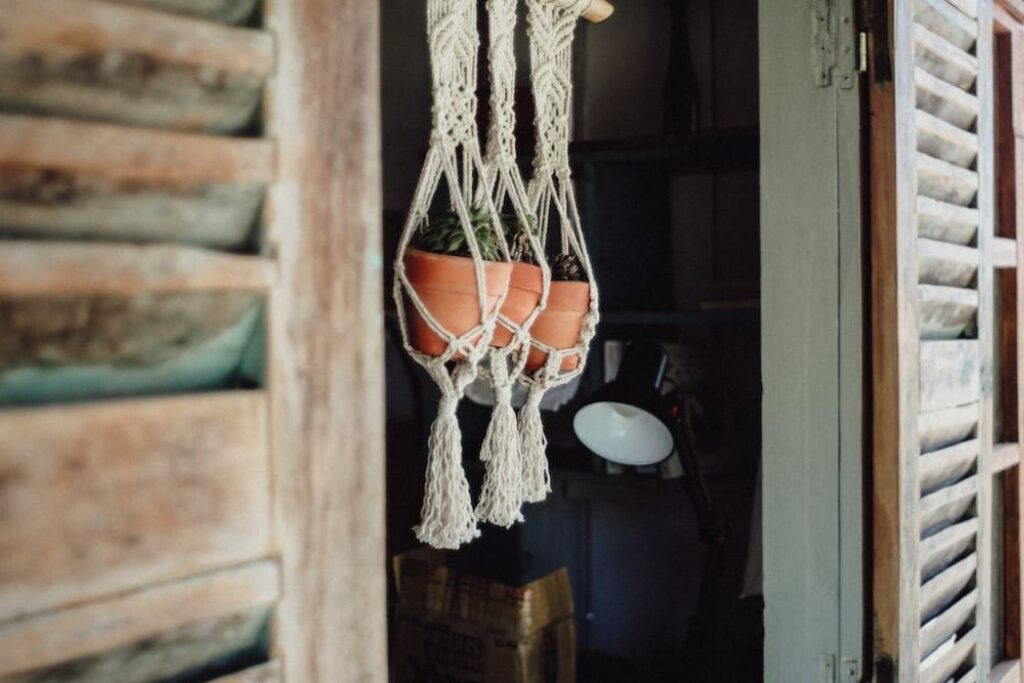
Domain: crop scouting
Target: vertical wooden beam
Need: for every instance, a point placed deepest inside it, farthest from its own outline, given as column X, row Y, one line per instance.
column 326, row 341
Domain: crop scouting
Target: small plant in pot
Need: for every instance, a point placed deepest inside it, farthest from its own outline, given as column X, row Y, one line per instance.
column 440, row 268
column 527, row 282
column 560, row 324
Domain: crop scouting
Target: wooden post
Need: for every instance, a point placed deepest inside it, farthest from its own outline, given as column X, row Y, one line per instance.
column 326, row 341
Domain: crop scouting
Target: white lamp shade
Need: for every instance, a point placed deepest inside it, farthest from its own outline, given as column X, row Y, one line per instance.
column 623, row 433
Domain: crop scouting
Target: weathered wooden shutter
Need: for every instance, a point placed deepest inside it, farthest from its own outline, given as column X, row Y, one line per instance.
column 180, row 182
column 932, row 231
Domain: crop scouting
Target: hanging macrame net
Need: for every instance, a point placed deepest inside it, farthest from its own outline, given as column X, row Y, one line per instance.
column 450, row 356
column 501, row 495
column 551, row 30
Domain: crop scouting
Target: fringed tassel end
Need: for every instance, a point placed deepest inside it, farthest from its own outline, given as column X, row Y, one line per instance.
column 501, row 498
column 533, row 443
column 447, row 518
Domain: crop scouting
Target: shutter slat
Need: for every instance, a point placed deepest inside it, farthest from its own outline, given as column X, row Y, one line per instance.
column 951, row 660
column 948, row 623
column 945, row 547
column 947, row 222
column 941, row 263
column 944, row 312
column 942, row 428
column 944, row 181
column 944, row 60
column 940, row 591
column 227, row 11
column 1005, row 456
column 130, row 153
column 948, row 465
column 945, row 141
column 70, row 268
column 945, row 101
column 947, row 505
column 942, row 19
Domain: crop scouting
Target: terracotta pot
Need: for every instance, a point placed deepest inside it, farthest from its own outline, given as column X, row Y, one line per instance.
column 524, row 290
column 447, row 287
column 560, row 324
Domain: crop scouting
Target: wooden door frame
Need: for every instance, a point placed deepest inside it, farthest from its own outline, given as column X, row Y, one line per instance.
column 326, row 331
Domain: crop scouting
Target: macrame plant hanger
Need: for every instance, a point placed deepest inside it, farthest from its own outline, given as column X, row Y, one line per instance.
column 448, row 519
column 501, row 496
column 551, row 29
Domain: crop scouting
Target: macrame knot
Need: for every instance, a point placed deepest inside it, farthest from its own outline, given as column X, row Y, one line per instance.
column 448, row 405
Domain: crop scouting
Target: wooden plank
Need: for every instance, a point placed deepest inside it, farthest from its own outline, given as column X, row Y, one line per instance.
column 947, row 505
column 93, row 627
column 136, row 491
column 942, row 263
column 945, row 311
column 968, row 7
column 1004, row 252
column 66, row 268
column 327, row 384
column 944, row 181
column 942, row 627
column 942, row 59
column 28, row 27
column 945, row 141
column 938, row 16
column 951, row 660
column 898, row 439
column 1005, row 456
column 942, row 549
column 142, row 156
column 946, row 222
column 264, row 673
column 945, row 101
column 950, row 373
column 940, row 591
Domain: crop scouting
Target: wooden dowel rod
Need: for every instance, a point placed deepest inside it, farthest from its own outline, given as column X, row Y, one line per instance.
column 598, row 11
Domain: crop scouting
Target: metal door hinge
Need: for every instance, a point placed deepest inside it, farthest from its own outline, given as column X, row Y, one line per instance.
column 837, row 47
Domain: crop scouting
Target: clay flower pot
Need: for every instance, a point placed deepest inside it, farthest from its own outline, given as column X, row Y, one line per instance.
column 559, row 325
column 447, row 287
column 524, row 290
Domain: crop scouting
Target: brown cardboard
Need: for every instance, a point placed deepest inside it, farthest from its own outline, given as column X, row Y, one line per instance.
column 463, row 629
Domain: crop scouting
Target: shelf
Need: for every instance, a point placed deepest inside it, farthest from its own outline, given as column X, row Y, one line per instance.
column 733, row 149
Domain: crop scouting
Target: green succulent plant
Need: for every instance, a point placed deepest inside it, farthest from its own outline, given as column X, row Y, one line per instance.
column 567, row 268
column 445, row 235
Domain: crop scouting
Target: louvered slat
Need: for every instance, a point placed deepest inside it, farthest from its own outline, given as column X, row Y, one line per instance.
column 942, row 627
column 944, row 141
column 951, row 660
column 1004, row 252
column 945, row 101
column 1005, row 456
column 947, row 465
column 68, row 268
column 939, row 17
column 942, row 428
column 941, row 180
column 942, row 59
column 950, row 373
column 941, row 590
column 945, row 312
column 945, row 547
column 946, row 222
column 947, row 505
column 941, row 263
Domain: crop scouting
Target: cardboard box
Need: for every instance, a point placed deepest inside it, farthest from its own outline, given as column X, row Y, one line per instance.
column 453, row 628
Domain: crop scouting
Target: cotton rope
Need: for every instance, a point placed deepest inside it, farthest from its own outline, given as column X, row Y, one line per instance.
column 501, row 496
column 448, row 519
column 551, row 27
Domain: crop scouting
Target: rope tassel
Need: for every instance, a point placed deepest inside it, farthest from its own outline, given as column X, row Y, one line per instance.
column 536, row 477
column 448, row 520
column 501, row 498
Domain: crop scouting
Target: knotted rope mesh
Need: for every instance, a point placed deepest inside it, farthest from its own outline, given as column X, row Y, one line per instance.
column 551, row 27
column 501, row 496
column 448, row 519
